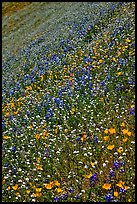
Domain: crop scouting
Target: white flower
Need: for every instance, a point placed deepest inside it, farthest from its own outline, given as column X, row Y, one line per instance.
column 104, row 165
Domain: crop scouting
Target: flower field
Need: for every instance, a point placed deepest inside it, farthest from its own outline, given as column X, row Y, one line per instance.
column 68, row 102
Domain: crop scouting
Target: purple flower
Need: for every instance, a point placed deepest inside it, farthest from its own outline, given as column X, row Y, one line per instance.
column 95, row 139
column 13, row 148
column 112, row 173
column 109, row 197
column 77, row 196
column 93, row 178
column 56, row 199
column 115, row 165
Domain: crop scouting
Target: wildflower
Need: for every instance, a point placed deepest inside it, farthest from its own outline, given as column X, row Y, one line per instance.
column 125, row 139
column 72, row 110
column 37, row 136
column 30, row 126
column 115, row 193
column 45, row 134
column 93, row 177
column 106, row 186
column 6, row 137
column 106, row 138
column 106, row 131
column 15, row 187
column 110, row 147
column 39, row 167
column 59, row 190
column 88, row 175
column 119, row 73
column 111, row 173
column 9, row 187
column 115, row 165
column 56, row 199
column 38, row 190
column 13, row 148
column 127, row 40
column 123, row 124
column 129, row 133
column 48, row 186
column 95, row 139
column 112, row 131
column 120, row 149
column 17, row 194
column 109, row 197
column 28, row 191
column 56, row 183
column 125, row 131
column 120, row 184
column 37, row 194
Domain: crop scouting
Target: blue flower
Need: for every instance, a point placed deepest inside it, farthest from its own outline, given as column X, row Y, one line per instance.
column 70, row 190
column 78, row 138
column 115, row 165
column 13, row 149
column 77, row 196
column 109, row 197
column 56, row 199
column 95, row 139
column 112, row 173
column 93, row 178
column 102, row 83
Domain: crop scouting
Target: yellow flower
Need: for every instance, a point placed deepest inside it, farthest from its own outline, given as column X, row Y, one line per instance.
column 127, row 40
column 88, row 176
column 120, row 149
column 129, row 133
column 84, row 136
column 17, row 194
column 125, row 139
column 30, row 126
column 12, row 105
column 28, row 191
column 114, row 59
column 38, row 160
column 72, row 110
column 106, row 131
column 123, row 124
column 59, row 190
column 37, row 194
column 106, row 186
column 37, row 136
column 39, row 167
column 112, row 131
column 15, row 187
column 9, row 187
column 38, row 190
column 100, row 60
column 119, row 73
column 125, row 131
column 106, row 138
column 56, row 183
column 120, row 184
column 42, row 77
column 48, row 186
column 115, row 193
column 6, row 137
column 110, row 147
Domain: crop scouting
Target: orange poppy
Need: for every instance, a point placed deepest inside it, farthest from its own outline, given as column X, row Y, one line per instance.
column 106, row 186
column 112, row 131
column 106, row 138
column 110, row 147
column 115, row 193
